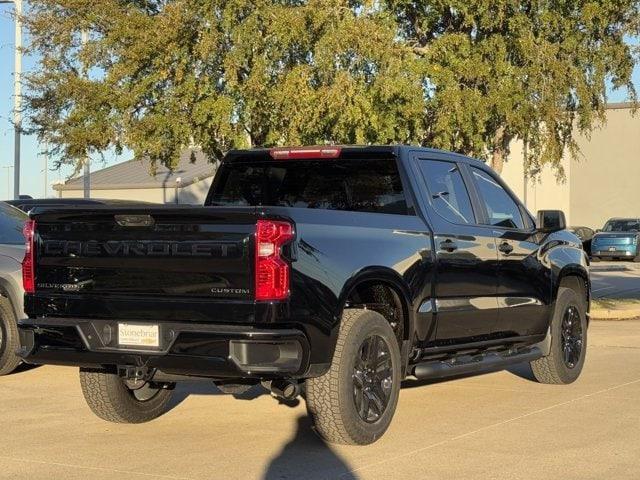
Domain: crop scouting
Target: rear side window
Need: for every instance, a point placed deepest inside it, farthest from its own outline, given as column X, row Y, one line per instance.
column 447, row 190
column 11, row 223
column 501, row 208
column 353, row 185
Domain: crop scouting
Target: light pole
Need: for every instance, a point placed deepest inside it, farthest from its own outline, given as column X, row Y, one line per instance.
column 46, row 168
column 178, row 185
column 87, row 161
column 17, row 96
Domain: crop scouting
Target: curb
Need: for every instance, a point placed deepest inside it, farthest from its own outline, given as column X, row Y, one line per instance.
column 610, row 268
column 610, row 314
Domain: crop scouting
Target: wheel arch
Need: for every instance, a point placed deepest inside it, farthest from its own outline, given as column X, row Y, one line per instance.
column 576, row 277
column 383, row 276
column 575, row 271
column 8, row 292
column 367, row 280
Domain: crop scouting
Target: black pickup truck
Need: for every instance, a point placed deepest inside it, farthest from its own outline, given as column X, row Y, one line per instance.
column 331, row 272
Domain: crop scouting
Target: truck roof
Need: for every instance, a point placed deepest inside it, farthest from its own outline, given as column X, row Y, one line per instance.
column 346, row 151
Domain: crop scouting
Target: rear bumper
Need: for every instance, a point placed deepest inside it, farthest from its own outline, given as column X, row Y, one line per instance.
column 620, row 251
column 216, row 351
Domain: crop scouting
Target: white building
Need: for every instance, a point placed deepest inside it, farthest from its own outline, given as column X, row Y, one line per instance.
column 188, row 183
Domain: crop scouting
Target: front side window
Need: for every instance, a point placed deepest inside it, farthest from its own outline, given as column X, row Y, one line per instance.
column 353, row 185
column 11, row 223
column 502, row 210
column 447, row 190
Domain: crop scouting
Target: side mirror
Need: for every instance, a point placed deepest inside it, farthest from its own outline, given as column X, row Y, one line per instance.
column 551, row 221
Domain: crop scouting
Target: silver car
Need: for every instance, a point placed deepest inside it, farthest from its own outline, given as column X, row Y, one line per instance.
column 11, row 292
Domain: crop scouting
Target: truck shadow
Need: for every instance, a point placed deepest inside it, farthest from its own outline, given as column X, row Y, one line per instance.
column 23, row 367
column 307, row 456
column 522, row 370
column 185, row 389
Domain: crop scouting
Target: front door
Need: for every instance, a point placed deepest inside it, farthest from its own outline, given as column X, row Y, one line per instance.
column 523, row 282
column 466, row 258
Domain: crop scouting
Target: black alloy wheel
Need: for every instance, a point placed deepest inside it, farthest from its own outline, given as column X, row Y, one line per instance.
column 571, row 336
column 372, row 378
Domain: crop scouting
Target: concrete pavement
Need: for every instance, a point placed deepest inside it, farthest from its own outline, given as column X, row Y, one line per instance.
column 496, row 426
column 615, row 287
column 615, row 280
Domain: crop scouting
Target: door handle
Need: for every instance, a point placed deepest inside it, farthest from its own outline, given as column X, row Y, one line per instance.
column 448, row 245
column 505, row 248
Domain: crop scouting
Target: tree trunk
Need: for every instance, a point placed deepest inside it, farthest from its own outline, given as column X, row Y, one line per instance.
column 497, row 160
column 500, row 149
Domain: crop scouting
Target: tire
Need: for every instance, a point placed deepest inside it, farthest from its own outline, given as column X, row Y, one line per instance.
column 9, row 340
column 555, row 367
column 333, row 399
column 110, row 399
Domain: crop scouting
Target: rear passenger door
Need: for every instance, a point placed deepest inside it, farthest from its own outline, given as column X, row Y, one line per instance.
column 523, row 282
column 466, row 259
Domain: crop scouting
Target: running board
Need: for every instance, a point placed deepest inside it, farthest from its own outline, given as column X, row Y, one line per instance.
column 467, row 364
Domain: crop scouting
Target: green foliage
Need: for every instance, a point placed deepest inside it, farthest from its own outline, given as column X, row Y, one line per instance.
column 470, row 76
column 505, row 69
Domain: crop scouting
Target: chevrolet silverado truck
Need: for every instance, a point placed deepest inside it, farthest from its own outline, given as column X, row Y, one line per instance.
column 328, row 272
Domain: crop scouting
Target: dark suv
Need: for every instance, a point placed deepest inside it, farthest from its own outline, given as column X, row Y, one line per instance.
column 331, row 271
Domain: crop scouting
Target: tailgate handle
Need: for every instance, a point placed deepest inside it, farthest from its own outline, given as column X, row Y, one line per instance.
column 135, row 220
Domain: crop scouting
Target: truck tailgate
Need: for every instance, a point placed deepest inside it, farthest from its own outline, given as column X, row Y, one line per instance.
column 99, row 260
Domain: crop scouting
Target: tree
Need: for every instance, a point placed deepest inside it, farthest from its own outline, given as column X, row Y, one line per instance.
column 500, row 70
column 219, row 74
column 465, row 75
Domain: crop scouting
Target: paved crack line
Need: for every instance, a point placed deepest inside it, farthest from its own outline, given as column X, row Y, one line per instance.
column 101, row 469
column 488, row 427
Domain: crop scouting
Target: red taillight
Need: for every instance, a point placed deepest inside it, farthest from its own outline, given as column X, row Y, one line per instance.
column 272, row 272
column 304, row 153
column 28, row 264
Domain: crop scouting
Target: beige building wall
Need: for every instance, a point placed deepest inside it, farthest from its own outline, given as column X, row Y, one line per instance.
column 545, row 192
column 606, row 182
column 191, row 194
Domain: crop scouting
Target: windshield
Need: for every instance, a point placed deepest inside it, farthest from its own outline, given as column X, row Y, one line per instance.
column 625, row 225
column 353, row 185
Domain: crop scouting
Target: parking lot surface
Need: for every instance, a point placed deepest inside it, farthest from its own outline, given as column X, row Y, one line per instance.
column 617, row 280
column 496, row 426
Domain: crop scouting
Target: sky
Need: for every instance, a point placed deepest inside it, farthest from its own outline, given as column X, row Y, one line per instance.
column 32, row 161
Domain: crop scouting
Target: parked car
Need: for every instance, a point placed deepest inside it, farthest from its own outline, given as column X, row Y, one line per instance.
column 617, row 239
column 337, row 270
column 26, row 204
column 11, row 254
column 585, row 234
